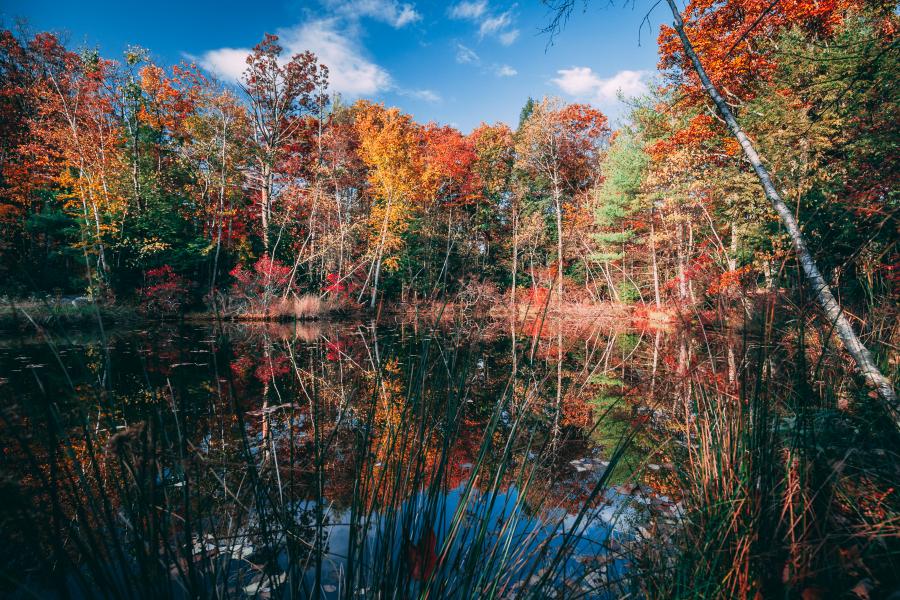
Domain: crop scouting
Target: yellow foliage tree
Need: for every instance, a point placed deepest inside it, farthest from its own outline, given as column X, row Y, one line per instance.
column 390, row 147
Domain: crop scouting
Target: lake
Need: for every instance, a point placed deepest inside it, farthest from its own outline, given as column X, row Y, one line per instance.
column 336, row 460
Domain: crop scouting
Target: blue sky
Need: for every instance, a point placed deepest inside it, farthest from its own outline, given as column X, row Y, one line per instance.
column 458, row 63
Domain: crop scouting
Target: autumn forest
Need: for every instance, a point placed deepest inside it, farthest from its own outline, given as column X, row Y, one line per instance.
column 359, row 355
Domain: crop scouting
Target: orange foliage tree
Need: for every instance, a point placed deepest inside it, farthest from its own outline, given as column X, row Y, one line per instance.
column 390, row 147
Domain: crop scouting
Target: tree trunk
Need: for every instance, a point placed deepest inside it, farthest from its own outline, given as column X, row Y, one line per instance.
column 265, row 204
column 613, row 292
column 375, row 283
column 732, row 253
column 557, row 199
column 822, row 292
column 445, row 269
column 384, row 225
column 682, row 276
column 653, row 259
column 690, row 252
column 219, row 216
column 340, row 215
column 515, row 257
column 264, row 218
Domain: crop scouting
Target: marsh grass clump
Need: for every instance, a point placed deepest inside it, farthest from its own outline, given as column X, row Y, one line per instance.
column 787, row 474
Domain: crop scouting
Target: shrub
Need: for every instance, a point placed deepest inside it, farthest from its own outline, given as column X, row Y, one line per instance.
column 478, row 295
column 337, row 287
column 537, row 296
column 267, row 280
column 166, row 292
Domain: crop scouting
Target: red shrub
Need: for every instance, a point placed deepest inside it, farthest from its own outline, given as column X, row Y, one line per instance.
column 537, row 296
column 268, row 278
column 335, row 286
column 166, row 292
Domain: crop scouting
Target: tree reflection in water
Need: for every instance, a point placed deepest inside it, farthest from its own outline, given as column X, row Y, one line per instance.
column 334, row 461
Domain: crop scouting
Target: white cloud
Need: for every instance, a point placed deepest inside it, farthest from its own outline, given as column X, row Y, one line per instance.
column 577, row 81
column 425, row 95
column 507, row 38
column 465, row 55
column 492, row 25
column 227, row 63
column 582, row 82
column 349, row 72
column 468, row 10
column 489, row 23
column 392, row 12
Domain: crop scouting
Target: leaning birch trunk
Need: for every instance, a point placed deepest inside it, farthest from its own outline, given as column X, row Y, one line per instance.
column 826, row 299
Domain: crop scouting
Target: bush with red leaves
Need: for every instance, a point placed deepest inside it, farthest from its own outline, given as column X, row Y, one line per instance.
column 166, row 292
column 340, row 288
column 266, row 278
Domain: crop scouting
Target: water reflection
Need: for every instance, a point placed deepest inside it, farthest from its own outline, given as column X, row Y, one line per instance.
column 333, row 460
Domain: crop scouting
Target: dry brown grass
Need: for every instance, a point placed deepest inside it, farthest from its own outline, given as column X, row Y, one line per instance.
column 309, row 306
column 305, row 307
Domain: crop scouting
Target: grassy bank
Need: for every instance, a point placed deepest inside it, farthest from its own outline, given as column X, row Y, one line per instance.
column 24, row 315
column 19, row 315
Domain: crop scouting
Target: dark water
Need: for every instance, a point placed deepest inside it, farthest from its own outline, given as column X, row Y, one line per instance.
column 346, row 460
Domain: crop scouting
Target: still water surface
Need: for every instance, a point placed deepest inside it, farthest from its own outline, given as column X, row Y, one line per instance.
column 342, row 460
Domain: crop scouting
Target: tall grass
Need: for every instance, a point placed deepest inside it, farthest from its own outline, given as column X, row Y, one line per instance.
column 304, row 307
column 787, row 472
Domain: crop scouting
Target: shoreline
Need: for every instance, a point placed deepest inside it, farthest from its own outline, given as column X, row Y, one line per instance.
column 20, row 315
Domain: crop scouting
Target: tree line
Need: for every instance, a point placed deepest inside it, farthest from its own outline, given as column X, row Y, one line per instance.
column 131, row 181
